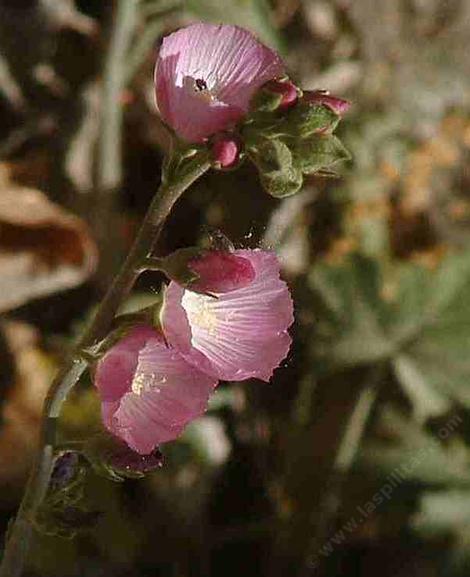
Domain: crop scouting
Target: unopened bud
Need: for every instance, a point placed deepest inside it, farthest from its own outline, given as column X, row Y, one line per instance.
column 338, row 105
column 220, row 271
column 65, row 469
column 286, row 89
column 127, row 462
column 207, row 271
column 226, row 151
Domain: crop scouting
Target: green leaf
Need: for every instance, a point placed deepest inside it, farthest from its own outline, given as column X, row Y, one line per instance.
column 282, row 184
column 423, row 331
column 306, row 119
column 272, row 156
column 319, row 152
column 414, row 455
column 278, row 175
column 300, row 122
column 354, row 331
column 265, row 101
column 443, row 512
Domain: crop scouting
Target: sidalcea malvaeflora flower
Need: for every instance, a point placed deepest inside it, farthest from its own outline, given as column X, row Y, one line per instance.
column 236, row 334
column 206, row 76
column 149, row 393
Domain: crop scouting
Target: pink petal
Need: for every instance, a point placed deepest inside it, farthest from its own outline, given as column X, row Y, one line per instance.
column 221, row 272
column 206, row 76
column 164, row 394
column 235, row 335
column 115, row 371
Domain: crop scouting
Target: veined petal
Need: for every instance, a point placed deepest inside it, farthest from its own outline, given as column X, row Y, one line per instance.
column 234, row 335
column 206, row 76
column 114, row 377
column 162, row 396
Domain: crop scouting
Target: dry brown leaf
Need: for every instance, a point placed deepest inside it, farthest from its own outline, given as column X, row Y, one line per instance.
column 20, row 419
column 43, row 248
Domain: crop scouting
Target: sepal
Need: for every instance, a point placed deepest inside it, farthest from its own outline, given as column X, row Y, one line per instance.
column 113, row 459
column 319, row 153
column 182, row 160
column 278, row 173
column 306, row 119
column 207, row 271
column 122, row 324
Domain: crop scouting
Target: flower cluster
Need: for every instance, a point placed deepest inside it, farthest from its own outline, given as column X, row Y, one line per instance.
column 219, row 85
column 232, row 326
column 225, row 314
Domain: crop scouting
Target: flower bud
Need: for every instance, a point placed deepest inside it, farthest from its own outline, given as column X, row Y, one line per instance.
column 226, row 152
column 286, row 89
column 337, row 105
column 221, row 272
column 128, row 463
column 207, row 271
column 65, row 469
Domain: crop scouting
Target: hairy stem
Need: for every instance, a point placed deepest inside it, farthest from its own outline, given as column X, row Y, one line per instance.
column 19, row 538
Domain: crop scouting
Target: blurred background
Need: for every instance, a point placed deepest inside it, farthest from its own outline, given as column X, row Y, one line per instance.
column 355, row 459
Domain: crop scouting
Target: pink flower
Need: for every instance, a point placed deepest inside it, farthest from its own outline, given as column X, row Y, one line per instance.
column 206, row 76
column 149, row 393
column 237, row 334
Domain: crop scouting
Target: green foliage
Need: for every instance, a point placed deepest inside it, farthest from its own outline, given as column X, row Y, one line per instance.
column 415, row 455
column 285, row 146
column 307, row 119
column 319, row 152
column 275, row 163
column 265, row 101
column 421, row 330
column 443, row 512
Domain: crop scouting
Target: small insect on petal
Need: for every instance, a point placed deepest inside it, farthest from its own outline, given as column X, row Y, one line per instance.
column 206, row 75
column 237, row 334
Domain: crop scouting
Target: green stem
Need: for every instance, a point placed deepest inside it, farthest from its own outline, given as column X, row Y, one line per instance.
column 19, row 538
column 152, row 263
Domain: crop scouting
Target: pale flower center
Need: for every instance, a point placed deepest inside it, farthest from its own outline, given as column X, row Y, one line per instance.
column 200, row 311
column 145, row 382
column 201, row 88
